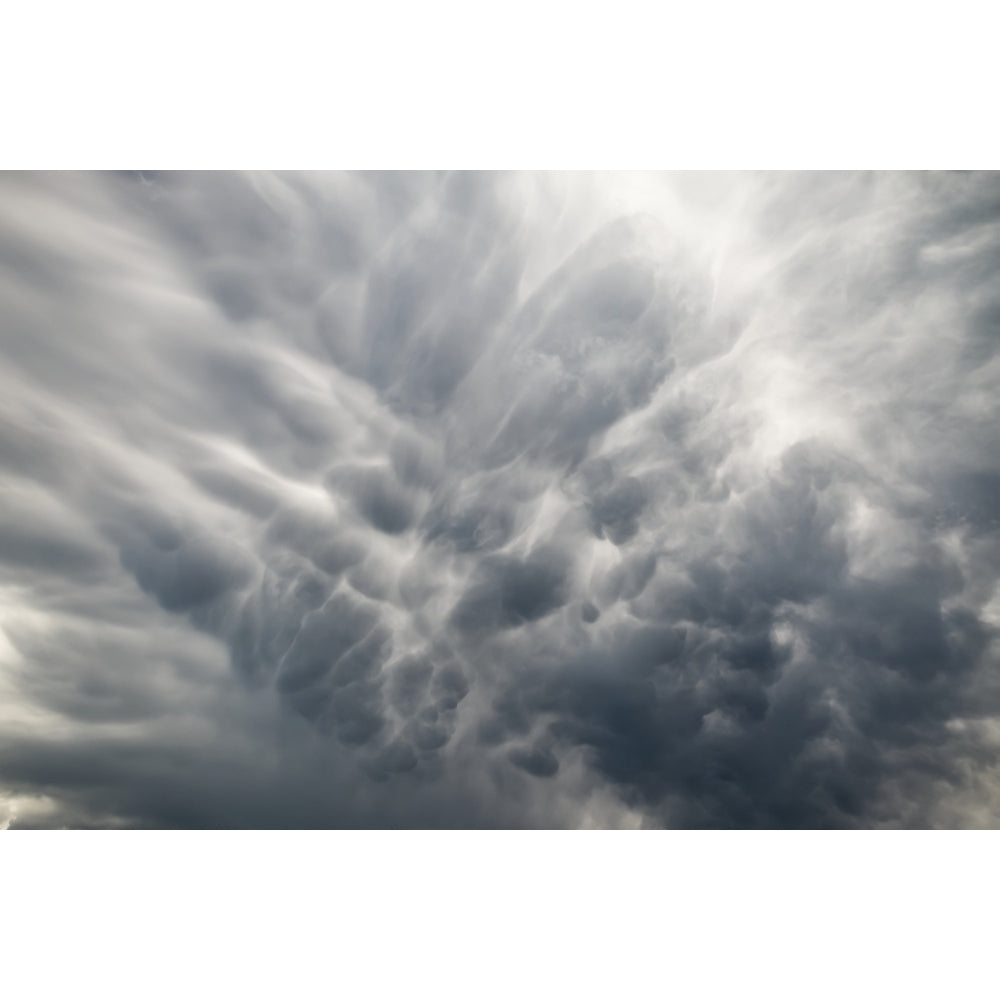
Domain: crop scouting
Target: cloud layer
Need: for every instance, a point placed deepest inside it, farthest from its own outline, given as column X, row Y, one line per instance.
column 499, row 500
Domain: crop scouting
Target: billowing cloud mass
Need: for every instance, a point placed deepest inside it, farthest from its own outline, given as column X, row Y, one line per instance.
column 419, row 500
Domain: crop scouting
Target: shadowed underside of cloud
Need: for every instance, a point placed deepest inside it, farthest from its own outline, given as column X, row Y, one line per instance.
column 499, row 500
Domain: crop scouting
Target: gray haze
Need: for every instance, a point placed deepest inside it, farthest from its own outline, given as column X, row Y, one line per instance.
column 499, row 500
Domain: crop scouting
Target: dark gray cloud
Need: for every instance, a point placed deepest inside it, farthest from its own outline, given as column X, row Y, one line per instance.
column 499, row 500
column 509, row 592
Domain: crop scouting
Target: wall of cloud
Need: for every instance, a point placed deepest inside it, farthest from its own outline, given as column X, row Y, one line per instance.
column 499, row 500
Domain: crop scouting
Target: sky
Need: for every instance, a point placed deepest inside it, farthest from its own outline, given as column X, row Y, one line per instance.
column 419, row 500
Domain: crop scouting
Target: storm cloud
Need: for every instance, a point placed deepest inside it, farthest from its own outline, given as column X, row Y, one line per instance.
column 500, row 500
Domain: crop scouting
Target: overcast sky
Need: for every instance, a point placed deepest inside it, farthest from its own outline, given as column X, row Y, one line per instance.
column 514, row 500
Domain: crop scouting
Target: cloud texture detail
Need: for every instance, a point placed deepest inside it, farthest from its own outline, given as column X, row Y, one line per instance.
column 499, row 500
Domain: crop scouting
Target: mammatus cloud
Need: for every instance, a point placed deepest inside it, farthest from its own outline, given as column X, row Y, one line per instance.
column 499, row 500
